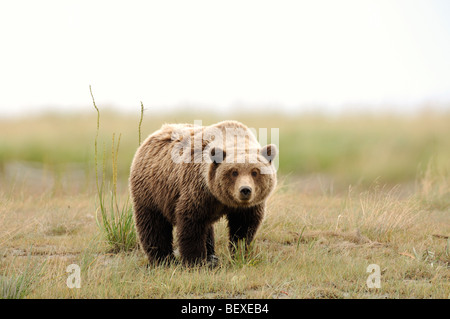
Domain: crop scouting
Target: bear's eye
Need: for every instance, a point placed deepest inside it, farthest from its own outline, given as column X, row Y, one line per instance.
column 254, row 173
column 235, row 173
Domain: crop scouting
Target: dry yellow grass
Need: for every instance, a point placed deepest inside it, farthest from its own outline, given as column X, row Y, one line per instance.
column 311, row 245
column 317, row 240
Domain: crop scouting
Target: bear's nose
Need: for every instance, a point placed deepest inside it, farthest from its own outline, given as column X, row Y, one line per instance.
column 245, row 190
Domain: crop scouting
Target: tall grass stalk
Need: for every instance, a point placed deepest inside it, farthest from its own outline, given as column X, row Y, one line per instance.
column 117, row 224
column 95, row 142
column 140, row 122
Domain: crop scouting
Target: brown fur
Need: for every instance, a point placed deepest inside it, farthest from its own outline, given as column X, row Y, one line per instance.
column 192, row 196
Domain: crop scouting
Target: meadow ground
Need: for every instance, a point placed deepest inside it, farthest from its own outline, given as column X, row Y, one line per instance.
column 353, row 191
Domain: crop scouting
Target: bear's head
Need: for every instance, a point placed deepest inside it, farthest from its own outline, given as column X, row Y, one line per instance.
column 245, row 180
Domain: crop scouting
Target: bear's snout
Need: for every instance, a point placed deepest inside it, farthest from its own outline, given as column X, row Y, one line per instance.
column 245, row 191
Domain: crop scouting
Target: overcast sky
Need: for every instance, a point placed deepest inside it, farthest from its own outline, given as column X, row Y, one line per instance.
column 287, row 55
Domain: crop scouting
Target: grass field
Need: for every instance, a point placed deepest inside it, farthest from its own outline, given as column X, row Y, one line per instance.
column 354, row 190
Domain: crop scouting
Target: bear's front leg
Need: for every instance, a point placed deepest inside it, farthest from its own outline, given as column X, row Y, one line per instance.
column 192, row 236
column 243, row 224
column 211, row 257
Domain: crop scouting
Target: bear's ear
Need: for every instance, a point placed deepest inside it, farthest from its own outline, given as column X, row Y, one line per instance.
column 269, row 152
column 217, row 155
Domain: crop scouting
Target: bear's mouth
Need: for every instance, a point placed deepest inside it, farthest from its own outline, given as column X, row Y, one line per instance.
column 245, row 200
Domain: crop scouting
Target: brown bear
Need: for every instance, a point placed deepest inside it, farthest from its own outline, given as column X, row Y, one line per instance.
column 190, row 176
